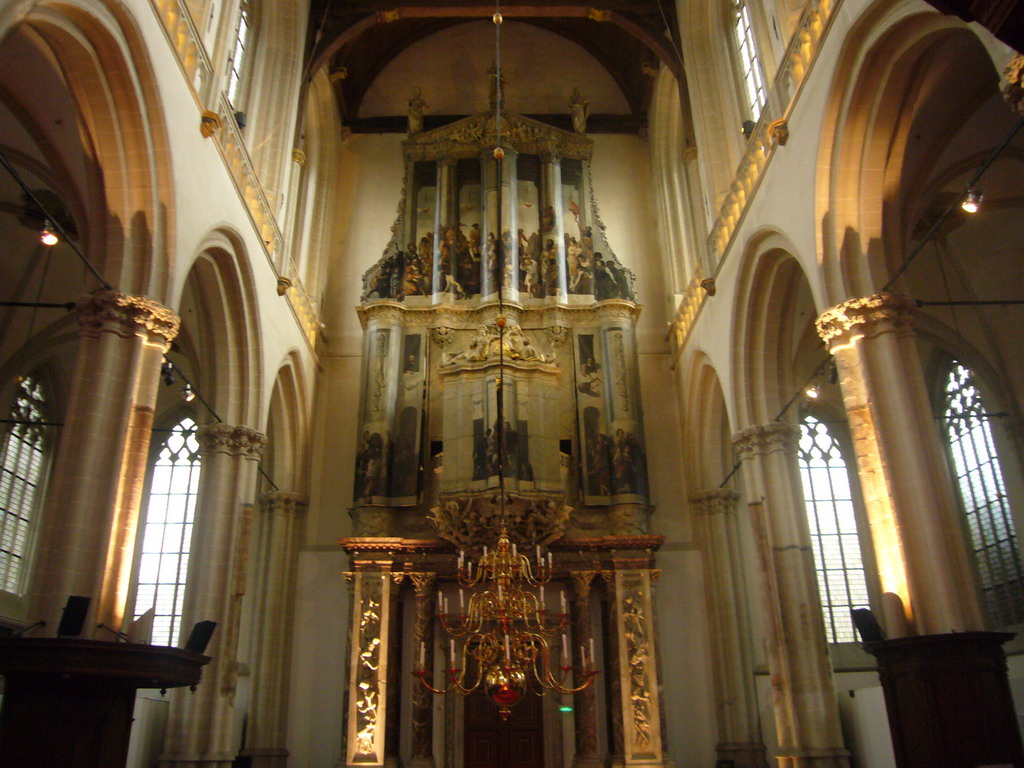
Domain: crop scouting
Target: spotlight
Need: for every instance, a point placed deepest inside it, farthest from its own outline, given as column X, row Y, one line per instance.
column 167, row 372
column 47, row 236
column 813, row 392
column 187, row 394
column 972, row 200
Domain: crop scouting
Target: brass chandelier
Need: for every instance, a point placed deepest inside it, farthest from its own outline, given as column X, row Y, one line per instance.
column 504, row 631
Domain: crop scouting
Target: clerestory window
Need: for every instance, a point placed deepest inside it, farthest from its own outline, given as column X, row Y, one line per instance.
column 237, row 61
column 748, row 61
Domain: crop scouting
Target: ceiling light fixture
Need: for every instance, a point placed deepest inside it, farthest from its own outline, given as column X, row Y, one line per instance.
column 188, row 394
column 47, row 236
column 972, row 200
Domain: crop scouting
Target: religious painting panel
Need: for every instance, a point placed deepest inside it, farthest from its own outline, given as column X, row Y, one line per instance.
column 404, row 474
column 372, row 456
column 470, row 202
column 628, row 455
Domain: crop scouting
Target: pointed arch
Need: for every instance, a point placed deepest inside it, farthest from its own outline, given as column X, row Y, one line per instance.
column 219, row 311
column 288, row 426
column 863, row 199
column 773, row 333
column 99, row 50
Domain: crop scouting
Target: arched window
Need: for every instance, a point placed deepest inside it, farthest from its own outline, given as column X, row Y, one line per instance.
column 237, row 62
column 979, row 481
column 22, row 469
column 167, row 536
column 747, row 60
column 833, row 524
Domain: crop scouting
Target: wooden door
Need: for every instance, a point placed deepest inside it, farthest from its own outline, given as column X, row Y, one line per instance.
column 514, row 743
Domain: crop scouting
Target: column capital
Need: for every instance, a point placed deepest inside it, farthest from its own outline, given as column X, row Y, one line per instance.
column 234, row 441
column 283, row 502
column 715, row 501
column 581, row 583
column 110, row 311
column 868, row 315
column 423, row 582
column 766, row 438
column 549, row 152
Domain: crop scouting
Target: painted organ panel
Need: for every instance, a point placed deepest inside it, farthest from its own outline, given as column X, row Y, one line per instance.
column 573, row 446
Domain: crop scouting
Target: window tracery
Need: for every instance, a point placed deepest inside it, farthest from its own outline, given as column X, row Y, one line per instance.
column 167, row 535
column 838, row 562
column 983, row 497
column 748, row 60
column 22, row 469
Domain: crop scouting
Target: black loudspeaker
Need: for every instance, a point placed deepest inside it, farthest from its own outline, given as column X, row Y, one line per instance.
column 868, row 626
column 200, row 637
column 73, row 618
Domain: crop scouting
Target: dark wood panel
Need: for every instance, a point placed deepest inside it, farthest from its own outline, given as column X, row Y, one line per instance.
column 493, row 743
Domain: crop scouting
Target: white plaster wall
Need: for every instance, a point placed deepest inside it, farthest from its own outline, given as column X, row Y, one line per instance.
column 315, row 715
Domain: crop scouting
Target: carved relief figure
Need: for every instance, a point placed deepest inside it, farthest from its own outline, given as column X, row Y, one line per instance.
column 366, row 674
column 578, row 108
column 417, row 106
column 638, row 656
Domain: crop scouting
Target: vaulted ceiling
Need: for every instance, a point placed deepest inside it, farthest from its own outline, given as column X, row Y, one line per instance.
column 357, row 39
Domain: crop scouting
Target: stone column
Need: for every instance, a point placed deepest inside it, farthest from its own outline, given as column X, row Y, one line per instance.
column 729, row 628
column 613, row 672
column 87, row 542
column 422, row 699
column 585, row 700
column 367, row 715
column 803, row 692
column 273, row 628
column 199, row 731
column 551, row 196
column 908, row 495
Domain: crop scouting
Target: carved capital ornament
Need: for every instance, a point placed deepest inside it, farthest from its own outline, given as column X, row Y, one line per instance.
column 767, row 438
column 233, row 441
column 865, row 316
column 111, row 311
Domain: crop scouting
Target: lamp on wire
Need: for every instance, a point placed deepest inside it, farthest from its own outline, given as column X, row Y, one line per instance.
column 504, row 628
column 47, row 235
column 972, row 200
column 187, row 393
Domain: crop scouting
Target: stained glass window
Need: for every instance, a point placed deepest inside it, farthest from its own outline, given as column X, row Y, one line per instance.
column 833, row 525
column 979, row 481
column 750, row 66
column 167, row 537
column 22, row 466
